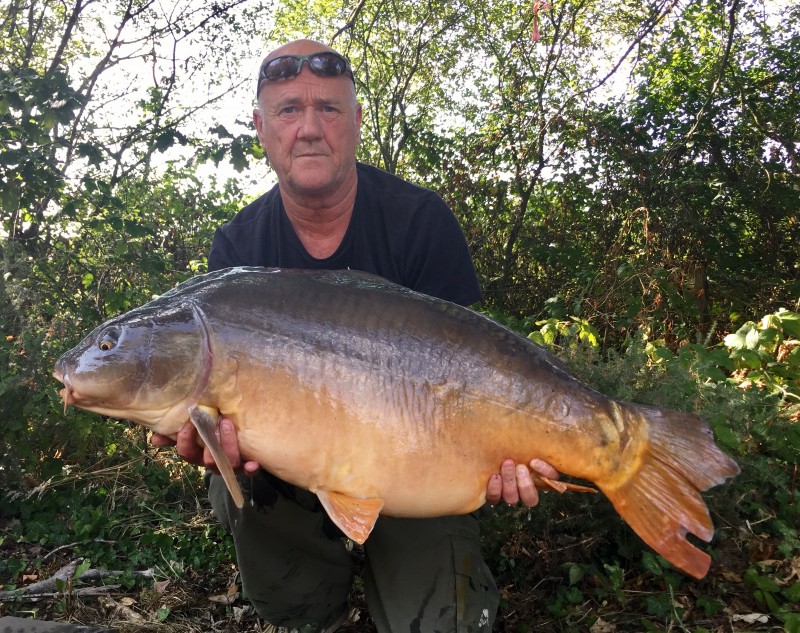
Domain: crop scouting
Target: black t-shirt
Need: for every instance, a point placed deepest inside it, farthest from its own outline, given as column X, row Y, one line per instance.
column 399, row 231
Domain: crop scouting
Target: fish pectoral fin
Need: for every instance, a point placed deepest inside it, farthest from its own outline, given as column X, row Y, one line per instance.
column 355, row 517
column 205, row 421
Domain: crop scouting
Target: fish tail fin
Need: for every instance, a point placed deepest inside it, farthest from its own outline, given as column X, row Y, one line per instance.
column 661, row 499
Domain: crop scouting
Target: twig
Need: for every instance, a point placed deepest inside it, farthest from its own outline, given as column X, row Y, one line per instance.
column 66, row 574
column 351, row 20
column 81, row 592
column 68, row 545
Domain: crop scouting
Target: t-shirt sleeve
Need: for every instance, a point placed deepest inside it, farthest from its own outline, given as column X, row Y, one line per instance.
column 223, row 253
column 439, row 262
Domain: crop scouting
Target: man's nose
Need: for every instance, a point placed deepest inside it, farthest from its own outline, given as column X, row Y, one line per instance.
column 311, row 124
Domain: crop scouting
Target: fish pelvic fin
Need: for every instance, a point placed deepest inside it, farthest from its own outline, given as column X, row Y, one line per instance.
column 661, row 499
column 355, row 517
column 206, row 425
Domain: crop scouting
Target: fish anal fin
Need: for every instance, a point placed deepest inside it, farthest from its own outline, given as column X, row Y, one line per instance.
column 355, row 517
column 205, row 421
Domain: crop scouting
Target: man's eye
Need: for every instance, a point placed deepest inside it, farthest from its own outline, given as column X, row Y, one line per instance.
column 289, row 110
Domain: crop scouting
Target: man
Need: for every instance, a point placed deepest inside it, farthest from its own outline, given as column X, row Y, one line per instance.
column 328, row 211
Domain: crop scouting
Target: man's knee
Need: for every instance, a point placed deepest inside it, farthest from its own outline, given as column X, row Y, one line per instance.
column 293, row 571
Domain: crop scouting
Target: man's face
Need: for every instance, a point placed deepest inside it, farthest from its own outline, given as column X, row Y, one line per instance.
column 309, row 126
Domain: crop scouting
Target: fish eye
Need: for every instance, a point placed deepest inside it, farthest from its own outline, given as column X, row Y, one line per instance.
column 108, row 340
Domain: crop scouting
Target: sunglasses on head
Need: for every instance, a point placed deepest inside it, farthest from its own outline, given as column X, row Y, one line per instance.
column 324, row 64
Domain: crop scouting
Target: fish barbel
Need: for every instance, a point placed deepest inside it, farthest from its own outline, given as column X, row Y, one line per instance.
column 383, row 400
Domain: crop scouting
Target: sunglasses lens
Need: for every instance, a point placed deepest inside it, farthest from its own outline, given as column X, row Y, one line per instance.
column 328, row 64
column 282, row 68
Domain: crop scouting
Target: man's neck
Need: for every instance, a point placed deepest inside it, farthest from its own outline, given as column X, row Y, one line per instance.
column 321, row 223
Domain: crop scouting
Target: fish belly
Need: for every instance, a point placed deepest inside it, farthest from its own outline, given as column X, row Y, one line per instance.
column 424, row 449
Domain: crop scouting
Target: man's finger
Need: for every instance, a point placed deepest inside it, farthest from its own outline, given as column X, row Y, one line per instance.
column 229, row 442
column 509, row 475
column 187, row 446
column 525, row 486
column 251, row 469
column 494, row 489
column 161, row 441
column 544, row 469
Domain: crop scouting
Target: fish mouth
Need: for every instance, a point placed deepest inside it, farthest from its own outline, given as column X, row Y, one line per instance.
column 67, row 393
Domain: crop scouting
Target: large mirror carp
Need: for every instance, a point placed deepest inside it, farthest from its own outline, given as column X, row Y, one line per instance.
column 383, row 400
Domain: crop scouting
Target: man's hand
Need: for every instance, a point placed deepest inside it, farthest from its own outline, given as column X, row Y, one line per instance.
column 189, row 448
column 514, row 482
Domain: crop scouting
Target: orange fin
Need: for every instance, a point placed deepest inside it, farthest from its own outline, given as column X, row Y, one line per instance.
column 206, row 425
column 354, row 517
column 661, row 501
column 543, row 483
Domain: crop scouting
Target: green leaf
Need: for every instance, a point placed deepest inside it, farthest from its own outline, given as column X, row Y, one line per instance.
column 652, row 563
column 537, row 338
column 746, row 359
column 576, row 573
column 790, row 322
column 238, row 158
column 791, row 622
column 769, row 338
column 736, row 340
column 752, row 338
column 81, row 569
column 92, row 152
column 792, row 593
column 165, row 140
column 221, row 131
column 725, row 436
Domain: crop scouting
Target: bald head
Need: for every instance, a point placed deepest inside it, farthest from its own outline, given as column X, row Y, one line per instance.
column 293, row 58
column 298, row 47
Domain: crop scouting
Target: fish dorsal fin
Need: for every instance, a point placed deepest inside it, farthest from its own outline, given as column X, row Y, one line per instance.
column 355, row 517
column 205, row 421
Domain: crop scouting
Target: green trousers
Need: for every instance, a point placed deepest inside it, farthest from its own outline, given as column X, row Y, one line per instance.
column 421, row 575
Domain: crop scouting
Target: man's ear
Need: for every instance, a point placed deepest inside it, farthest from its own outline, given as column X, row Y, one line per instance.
column 258, row 123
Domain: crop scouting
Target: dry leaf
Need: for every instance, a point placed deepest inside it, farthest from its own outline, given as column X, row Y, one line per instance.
column 161, row 586
column 750, row 618
column 225, row 598
column 601, row 626
column 120, row 611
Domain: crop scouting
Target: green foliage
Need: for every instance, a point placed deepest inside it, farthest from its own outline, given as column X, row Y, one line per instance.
column 767, row 354
column 32, row 105
column 128, row 513
column 779, row 596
